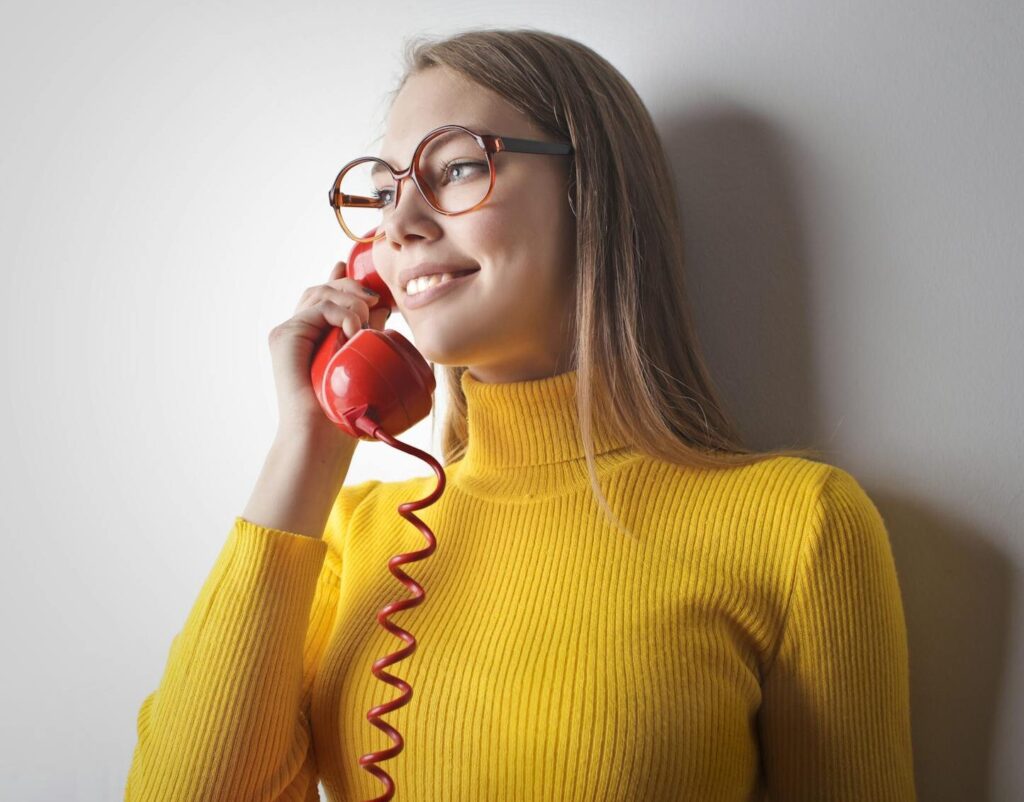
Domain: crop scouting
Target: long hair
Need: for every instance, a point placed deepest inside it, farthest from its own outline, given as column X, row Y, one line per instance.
column 648, row 381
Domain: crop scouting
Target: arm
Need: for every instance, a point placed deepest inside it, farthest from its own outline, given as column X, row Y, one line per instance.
column 835, row 712
column 230, row 717
column 300, row 480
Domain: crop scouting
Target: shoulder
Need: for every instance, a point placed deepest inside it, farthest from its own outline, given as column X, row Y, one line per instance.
column 845, row 525
column 759, row 518
column 347, row 504
column 835, row 540
column 358, row 504
column 798, row 502
column 781, row 490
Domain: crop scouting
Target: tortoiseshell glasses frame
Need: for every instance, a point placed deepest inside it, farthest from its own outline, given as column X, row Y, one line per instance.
column 490, row 143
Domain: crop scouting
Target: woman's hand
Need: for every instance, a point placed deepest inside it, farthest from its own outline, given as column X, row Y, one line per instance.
column 341, row 302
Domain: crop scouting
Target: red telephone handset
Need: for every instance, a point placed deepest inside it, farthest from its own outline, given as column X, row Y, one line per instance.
column 378, row 374
column 374, row 386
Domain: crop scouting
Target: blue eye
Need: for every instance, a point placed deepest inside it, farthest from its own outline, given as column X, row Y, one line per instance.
column 460, row 165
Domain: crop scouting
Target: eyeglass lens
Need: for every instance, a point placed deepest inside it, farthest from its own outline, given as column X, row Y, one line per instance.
column 453, row 168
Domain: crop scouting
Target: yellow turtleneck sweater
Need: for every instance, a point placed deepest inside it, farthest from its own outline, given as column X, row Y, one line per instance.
column 749, row 644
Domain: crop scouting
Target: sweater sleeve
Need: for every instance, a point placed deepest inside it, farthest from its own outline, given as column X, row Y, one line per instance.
column 835, row 709
column 229, row 719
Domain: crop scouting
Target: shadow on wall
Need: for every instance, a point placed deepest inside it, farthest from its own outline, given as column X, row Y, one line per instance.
column 957, row 594
column 747, row 260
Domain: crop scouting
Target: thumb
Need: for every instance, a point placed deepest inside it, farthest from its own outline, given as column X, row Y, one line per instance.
column 378, row 317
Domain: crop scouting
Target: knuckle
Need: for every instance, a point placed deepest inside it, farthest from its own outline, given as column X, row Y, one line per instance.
column 276, row 333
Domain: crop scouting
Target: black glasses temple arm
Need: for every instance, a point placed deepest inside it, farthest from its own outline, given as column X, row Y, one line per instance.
column 534, row 146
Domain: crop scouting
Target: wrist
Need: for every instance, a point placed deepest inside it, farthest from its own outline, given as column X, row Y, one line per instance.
column 321, row 439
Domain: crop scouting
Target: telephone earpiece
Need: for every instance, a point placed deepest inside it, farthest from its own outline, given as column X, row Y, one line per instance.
column 376, row 375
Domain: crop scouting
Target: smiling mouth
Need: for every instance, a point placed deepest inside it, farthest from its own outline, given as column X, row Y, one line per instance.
column 452, row 276
column 443, row 288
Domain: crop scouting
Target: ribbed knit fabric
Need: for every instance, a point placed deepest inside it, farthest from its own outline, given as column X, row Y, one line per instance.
column 749, row 644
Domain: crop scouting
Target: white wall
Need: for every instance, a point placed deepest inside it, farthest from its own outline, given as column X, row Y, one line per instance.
column 851, row 181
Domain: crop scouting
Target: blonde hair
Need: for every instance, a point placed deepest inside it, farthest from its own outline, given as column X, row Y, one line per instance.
column 653, row 389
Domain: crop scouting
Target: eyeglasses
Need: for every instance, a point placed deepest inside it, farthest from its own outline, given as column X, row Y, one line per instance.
column 452, row 167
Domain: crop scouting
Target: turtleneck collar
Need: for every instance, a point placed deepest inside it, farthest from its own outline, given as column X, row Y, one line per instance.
column 525, row 438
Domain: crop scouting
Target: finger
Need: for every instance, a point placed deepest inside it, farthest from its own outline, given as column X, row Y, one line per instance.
column 351, row 285
column 327, row 312
column 340, row 295
column 338, row 271
column 378, row 317
column 357, row 303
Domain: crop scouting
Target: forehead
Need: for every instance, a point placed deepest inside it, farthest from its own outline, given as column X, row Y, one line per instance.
column 437, row 96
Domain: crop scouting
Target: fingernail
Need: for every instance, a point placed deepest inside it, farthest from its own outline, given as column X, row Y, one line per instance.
column 371, row 292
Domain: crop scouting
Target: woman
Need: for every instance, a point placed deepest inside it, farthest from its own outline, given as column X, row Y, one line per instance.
column 625, row 603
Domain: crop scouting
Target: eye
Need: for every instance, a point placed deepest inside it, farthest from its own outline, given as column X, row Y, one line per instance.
column 382, row 195
column 463, row 168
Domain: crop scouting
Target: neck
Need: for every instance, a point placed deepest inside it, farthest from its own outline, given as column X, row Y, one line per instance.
column 525, row 438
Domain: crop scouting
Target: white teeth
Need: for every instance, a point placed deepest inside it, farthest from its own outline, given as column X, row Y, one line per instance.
column 422, row 283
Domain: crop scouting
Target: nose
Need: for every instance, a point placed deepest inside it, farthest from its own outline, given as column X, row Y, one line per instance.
column 400, row 189
column 416, row 215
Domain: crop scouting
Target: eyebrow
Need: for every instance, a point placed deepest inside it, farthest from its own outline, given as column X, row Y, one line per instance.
column 472, row 126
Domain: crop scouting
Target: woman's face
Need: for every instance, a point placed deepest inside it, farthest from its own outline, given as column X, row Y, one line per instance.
column 512, row 320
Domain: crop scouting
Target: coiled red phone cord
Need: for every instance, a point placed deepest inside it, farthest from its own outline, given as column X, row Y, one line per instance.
column 372, row 428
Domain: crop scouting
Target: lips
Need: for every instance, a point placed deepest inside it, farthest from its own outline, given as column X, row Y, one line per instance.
column 454, row 275
column 430, row 269
column 419, row 299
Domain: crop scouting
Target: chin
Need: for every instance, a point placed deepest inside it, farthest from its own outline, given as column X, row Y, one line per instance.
column 445, row 344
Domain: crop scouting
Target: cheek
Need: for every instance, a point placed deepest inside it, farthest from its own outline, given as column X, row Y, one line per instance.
column 524, row 211
column 494, row 240
column 523, row 242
